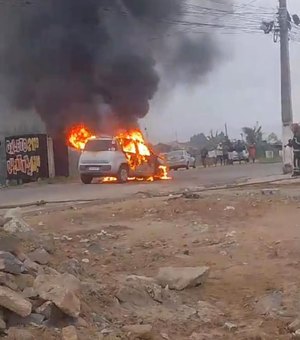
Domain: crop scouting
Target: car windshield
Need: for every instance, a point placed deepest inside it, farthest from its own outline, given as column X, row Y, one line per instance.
column 101, row 145
column 175, row 153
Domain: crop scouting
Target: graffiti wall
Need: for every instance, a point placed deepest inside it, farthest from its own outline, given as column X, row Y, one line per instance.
column 27, row 157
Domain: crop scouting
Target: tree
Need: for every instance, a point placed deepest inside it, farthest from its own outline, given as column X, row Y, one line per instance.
column 253, row 135
column 273, row 138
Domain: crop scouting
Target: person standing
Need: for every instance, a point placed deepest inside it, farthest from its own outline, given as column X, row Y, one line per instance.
column 295, row 144
column 204, row 154
column 252, row 152
column 219, row 154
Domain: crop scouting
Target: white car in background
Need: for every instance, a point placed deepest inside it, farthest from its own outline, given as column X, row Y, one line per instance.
column 242, row 157
column 180, row 159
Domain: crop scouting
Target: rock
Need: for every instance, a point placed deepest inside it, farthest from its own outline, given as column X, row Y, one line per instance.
column 14, row 320
column 48, row 244
column 52, row 314
column 139, row 291
column 24, row 280
column 29, row 293
column 9, row 243
column 230, row 326
column 296, row 335
column 191, row 195
column 269, row 304
column 81, row 323
column 15, row 223
column 139, row 331
column 269, row 192
column 69, row 333
column 40, row 256
column 14, row 302
column 8, row 280
column 2, row 322
column 10, row 264
column 63, row 290
column 72, row 267
column 179, row 278
column 31, row 266
column 4, row 220
column 45, row 309
column 19, row 334
column 294, row 325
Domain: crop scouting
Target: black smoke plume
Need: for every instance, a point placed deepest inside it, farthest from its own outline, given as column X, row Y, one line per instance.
column 69, row 58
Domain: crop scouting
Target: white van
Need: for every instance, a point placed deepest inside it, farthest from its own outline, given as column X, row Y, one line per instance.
column 104, row 157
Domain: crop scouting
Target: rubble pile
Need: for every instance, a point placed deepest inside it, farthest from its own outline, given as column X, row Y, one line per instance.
column 32, row 292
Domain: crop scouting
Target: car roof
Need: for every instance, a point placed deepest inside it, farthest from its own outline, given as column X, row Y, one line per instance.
column 102, row 138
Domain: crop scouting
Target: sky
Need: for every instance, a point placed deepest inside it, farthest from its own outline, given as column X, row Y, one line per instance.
column 244, row 88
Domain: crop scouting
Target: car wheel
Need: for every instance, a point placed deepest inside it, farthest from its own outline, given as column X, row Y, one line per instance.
column 123, row 174
column 86, row 179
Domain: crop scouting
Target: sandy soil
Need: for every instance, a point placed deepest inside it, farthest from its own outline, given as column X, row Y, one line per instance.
column 249, row 240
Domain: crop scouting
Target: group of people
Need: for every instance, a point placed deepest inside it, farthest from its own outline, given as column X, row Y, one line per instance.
column 225, row 153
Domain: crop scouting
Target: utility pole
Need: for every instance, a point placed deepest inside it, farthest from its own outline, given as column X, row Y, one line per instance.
column 226, row 130
column 286, row 93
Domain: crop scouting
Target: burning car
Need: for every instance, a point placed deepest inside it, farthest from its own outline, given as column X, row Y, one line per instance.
column 118, row 158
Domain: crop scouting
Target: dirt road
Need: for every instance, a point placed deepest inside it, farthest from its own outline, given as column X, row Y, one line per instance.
column 248, row 237
column 190, row 179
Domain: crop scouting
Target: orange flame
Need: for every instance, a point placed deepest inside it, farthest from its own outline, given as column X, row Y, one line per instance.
column 78, row 136
column 133, row 145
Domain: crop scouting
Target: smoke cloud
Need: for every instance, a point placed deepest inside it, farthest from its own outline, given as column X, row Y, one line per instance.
column 68, row 59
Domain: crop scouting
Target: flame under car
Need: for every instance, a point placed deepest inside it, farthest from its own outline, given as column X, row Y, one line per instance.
column 104, row 157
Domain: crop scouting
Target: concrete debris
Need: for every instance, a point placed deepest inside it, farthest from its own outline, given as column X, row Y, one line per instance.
column 63, row 290
column 10, row 264
column 15, row 223
column 230, row 326
column 139, row 291
column 179, row 278
column 40, row 256
column 139, row 331
column 69, row 333
column 229, row 208
column 14, row 302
